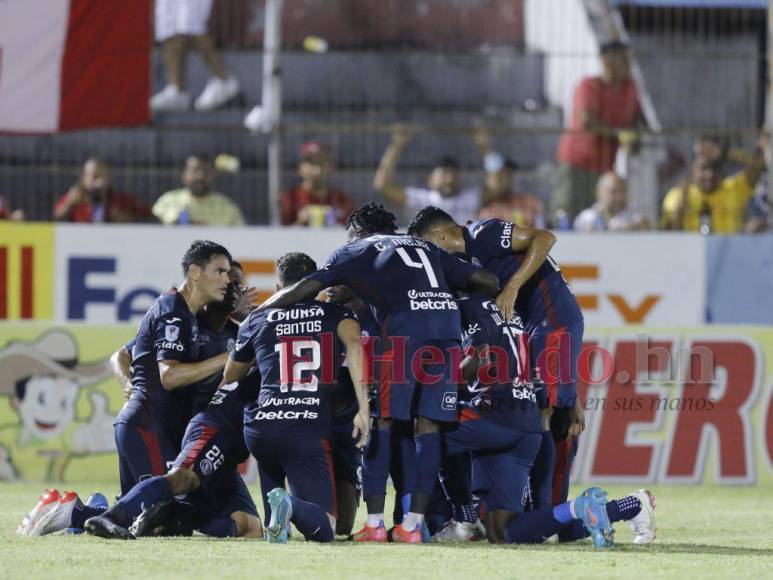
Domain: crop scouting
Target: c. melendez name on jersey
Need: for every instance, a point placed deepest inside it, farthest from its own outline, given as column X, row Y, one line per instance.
column 428, row 300
column 397, row 240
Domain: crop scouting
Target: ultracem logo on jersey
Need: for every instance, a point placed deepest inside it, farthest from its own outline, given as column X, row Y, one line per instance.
column 429, row 300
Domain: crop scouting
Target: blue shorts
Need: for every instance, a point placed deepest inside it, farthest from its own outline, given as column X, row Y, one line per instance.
column 554, row 352
column 347, row 458
column 306, row 462
column 501, row 459
column 142, row 454
column 221, row 498
column 408, row 388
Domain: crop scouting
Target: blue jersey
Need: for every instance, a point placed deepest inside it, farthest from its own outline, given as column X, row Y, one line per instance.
column 298, row 354
column 195, row 397
column 226, row 407
column 407, row 281
column 545, row 299
column 168, row 331
column 211, row 343
column 511, row 400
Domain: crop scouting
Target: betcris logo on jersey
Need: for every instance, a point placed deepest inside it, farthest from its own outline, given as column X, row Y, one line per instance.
column 430, row 300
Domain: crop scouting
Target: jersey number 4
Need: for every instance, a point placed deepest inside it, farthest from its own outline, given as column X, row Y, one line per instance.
column 422, row 263
column 295, row 358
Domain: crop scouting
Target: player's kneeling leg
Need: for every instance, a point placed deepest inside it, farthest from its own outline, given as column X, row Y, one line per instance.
column 310, row 519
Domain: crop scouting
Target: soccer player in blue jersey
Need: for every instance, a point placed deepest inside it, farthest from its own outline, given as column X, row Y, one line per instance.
column 408, row 284
column 205, row 471
column 149, row 427
column 532, row 285
column 288, row 428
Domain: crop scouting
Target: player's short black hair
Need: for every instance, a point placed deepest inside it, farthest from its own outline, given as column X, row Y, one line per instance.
column 236, row 264
column 371, row 219
column 294, row 266
column 428, row 218
column 201, row 252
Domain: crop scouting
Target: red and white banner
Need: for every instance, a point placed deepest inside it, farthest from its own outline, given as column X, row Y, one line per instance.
column 73, row 64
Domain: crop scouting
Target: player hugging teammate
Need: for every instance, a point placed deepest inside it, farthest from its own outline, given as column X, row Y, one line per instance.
column 444, row 326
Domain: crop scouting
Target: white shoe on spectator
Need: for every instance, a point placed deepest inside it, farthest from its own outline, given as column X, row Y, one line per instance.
column 170, row 99
column 217, row 93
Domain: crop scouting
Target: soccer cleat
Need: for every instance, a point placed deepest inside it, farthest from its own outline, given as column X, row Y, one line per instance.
column 371, row 534
column 402, row 536
column 150, row 519
column 96, row 500
column 643, row 524
column 217, row 93
column 278, row 529
column 59, row 518
column 170, row 99
column 591, row 507
column 460, row 532
column 47, row 501
column 103, row 527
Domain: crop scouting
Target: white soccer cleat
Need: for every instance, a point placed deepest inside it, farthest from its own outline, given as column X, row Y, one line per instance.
column 217, row 93
column 643, row 524
column 59, row 518
column 460, row 532
column 47, row 501
column 170, row 99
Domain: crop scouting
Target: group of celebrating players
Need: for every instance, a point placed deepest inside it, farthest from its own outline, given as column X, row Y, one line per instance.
column 445, row 358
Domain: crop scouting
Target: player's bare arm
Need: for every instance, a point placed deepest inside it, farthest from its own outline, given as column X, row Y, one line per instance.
column 235, row 371
column 536, row 243
column 350, row 333
column 175, row 374
column 298, row 292
column 484, row 282
column 120, row 363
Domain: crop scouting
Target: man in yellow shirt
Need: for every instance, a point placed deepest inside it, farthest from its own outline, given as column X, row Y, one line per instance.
column 196, row 203
column 708, row 202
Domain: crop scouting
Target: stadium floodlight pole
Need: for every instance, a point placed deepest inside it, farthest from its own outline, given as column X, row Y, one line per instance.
column 272, row 102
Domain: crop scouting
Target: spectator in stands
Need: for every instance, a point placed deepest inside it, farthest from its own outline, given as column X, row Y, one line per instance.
column 442, row 188
column 313, row 202
column 759, row 216
column 180, row 23
column 709, row 202
column 93, row 200
column 610, row 212
column 196, row 202
column 498, row 196
column 606, row 114
column 6, row 213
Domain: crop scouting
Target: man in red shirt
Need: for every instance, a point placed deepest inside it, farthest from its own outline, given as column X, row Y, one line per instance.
column 93, row 200
column 606, row 109
column 314, row 202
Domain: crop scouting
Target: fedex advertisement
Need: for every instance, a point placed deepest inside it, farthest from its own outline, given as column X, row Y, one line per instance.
column 625, row 279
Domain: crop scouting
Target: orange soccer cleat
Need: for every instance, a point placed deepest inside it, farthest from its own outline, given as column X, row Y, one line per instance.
column 402, row 536
column 370, row 534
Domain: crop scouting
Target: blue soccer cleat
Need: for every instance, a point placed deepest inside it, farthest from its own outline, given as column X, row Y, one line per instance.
column 591, row 507
column 278, row 529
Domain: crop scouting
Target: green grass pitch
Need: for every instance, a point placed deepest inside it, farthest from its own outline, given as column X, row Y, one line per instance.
column 703, row 532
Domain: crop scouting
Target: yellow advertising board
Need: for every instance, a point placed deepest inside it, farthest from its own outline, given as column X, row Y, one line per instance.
column 26, row 271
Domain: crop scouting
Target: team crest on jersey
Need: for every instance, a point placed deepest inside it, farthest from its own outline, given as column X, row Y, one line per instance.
column 230, row 345
column 172, row 333
column 206, row 467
